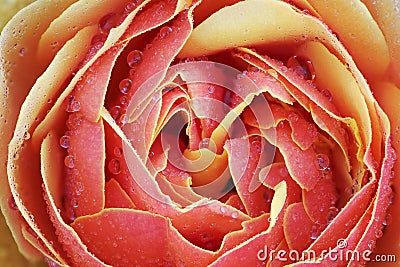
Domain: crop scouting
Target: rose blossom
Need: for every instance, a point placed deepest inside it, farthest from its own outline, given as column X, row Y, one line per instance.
column 189, row 133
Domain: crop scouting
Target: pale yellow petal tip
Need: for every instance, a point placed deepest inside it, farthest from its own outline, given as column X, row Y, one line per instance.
column 9, row 8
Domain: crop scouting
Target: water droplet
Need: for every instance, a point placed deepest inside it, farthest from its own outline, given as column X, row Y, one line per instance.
column 235, row 215
column 378, row 233
column 223, row 209
column 114, row 166
column 204, row 143
column 333, row 211
column 123, row 100
column 27, row 136
column 314, row 232
column 125, row 85
column 304, row 68
column 134, row 57
column 115, row 112
column 327, row 94
column 73, row 121
column 388, row 219
column 211, row 89
column 118, row 152
column 12, row 204
column 123, row 119
column 293, row 116
column 69, row 161
column 164, row 32
column 257, row 146
column 22, row 52
column 73, row 105
column 64, row 141
column 107, row 22
column 322, row 161
column 74, row 202
column 16, row 156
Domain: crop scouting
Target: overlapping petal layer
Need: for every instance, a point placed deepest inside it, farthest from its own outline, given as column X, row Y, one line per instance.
column 174, row 132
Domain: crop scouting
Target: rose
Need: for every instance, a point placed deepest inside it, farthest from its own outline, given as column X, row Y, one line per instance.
column 123, row 184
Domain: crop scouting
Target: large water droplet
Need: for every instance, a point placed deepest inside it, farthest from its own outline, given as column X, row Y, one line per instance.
column 107, row 22
column 125, row 85
column 64, row 141
column 134, row 57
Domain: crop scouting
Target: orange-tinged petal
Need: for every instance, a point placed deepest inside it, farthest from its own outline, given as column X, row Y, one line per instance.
column 116, row 197
column 128, row 237
column 319, row 200
column 71, row 244
column 364, row 39
column 245, row 160
column 298, row 227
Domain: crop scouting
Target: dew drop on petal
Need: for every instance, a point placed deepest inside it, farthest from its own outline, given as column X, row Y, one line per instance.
column 12, row 204
column 125, row 85
column 74, row 203
column 69, row 161
column 388, row 219
column 223, row 209
column 164, row 32
column 73, row 105
column 27, row 136
column 107, row 22
column 114, row 166
column 293, row 116
column 64, row 141
column 118, row 152
column 123, row 100
column 123, row 119
column 22, row 52
column 134, row 57
column 73, row 121
column 235, row 215
column 115, row 111
column 322, row 161
column 378, row 233
column 257, row 146
column 314, row 233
